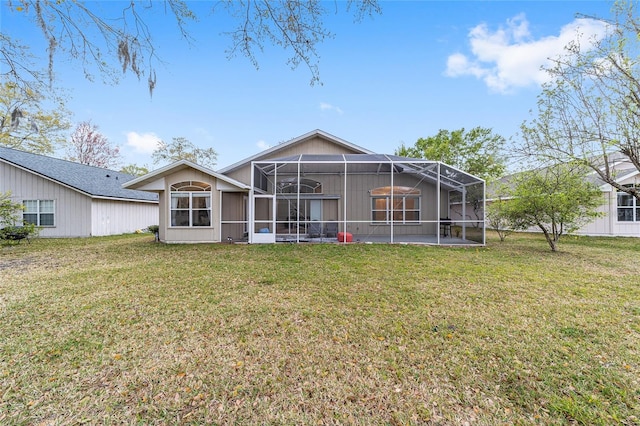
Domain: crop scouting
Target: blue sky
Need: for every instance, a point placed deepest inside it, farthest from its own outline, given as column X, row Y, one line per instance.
column 419, row 67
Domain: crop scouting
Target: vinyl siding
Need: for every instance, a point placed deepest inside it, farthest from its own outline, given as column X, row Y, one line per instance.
column 76, row 214
column 72, row 209
column 315, row 145
column 111, row 217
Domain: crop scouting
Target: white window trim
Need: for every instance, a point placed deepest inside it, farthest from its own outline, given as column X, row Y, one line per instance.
column 191, row 210
column 389, row 211
column 38, row 213
column 635, row 208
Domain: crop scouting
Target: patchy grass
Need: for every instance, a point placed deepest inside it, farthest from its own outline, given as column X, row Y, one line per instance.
column 123, row 330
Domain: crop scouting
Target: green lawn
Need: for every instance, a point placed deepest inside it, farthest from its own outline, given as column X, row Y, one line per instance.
column 123, row 330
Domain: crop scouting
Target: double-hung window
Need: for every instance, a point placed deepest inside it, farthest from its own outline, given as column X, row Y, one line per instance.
column 190, row 204
column 39, row 212
column 398, row 203
column 628, row 207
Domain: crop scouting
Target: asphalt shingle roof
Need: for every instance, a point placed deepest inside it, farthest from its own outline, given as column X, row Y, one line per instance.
column 94, row 181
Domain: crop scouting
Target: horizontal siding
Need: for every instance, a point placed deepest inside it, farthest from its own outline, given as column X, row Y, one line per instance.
column 315, row 145
column 188, row 235
column 358, row 202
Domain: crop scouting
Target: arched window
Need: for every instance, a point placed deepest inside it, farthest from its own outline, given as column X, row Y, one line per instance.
column 190, row 204
column 306, row 186
column 398, row 203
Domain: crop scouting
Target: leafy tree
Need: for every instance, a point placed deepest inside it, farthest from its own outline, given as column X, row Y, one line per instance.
column 557, row 200
column 89, row 146
column 477, row 151
column 590, row 110
column 9, row 218
column 182, row 149
column 25, row 124
column 502, row 219
column 99, row 38
column 135, row 170
column 8, row 210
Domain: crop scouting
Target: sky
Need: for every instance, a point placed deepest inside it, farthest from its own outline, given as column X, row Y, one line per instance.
column 417, row 68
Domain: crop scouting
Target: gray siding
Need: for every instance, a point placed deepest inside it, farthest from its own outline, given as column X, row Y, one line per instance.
column 120, row 217
column 76, row 214
column 72, row 209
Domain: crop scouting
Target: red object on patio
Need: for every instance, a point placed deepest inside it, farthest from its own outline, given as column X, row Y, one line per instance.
column 345, row 237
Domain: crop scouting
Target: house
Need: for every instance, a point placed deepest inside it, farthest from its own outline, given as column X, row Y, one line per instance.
column 67, row 199
column 620, row 212
column 316, row 187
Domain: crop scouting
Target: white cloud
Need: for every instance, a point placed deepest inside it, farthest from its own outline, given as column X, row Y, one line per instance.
column 509, row 57
column 263, row 145
column 144, row 143
column 328, row 107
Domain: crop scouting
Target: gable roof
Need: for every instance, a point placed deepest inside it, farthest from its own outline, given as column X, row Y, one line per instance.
column 267, row 153
column 180, row 165
column 92, row 181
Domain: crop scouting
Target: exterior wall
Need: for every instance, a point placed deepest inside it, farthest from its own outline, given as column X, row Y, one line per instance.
column 315, row 145
column 72, row 209
column 358, row 203
column 233, row 210
column 200, row 234
column 608, row 224
column 109, row 217
column 163, row 214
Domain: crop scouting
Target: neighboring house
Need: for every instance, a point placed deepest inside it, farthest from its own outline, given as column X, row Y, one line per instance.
column 316, row 187
column 67, row 199
column 620, row 211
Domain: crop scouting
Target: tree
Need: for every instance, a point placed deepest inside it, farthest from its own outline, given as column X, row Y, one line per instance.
column 89, row 146
column 477, row 151
column 502, row 219
column 590, row 110
column 557, row 200
column 135, row 170
column 9, row 218
column 8, row 210
column 25, row 124
column 101, row 36
column 182, row 149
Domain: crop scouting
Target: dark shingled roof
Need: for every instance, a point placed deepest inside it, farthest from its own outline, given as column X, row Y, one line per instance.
column 93, row 181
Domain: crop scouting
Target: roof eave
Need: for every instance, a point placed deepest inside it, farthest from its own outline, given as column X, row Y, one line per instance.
column 294, row 141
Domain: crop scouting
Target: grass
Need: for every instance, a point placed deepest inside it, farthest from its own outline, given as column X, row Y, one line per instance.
column 121, row 330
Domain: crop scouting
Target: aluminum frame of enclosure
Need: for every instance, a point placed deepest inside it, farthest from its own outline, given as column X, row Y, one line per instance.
column 451, row 199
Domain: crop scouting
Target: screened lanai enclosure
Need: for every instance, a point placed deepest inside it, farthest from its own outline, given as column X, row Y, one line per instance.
column 364, row 198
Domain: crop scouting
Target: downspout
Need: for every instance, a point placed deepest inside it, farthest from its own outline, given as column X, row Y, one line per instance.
column 219, row 216
column 344, row 202
column 484, row 213
column 464, row 212
column 273, row 201
column 438, row 206
column 298, row 203
column 251, row 225
column 392, row 204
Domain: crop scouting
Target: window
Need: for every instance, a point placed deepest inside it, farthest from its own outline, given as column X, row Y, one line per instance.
column 190, row 204
column 403, row 208
column 305, row 186
column 39, row 212
column 628, row 207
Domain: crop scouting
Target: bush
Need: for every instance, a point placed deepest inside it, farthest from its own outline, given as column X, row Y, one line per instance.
column 17, row 233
